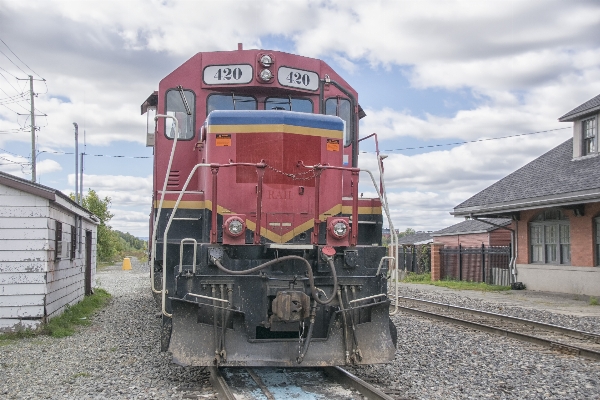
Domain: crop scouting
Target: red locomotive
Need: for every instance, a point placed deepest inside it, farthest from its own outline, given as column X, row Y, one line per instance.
column 262, row 252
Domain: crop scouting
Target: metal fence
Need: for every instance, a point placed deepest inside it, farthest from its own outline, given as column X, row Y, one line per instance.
column 477, row 264
column 415, row 258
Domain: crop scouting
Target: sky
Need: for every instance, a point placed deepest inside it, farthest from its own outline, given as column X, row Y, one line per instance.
column 431, row 75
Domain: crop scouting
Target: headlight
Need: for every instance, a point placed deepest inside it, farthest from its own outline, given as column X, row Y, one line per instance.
column 235, row 227
column 340, row 229
column 266, row 75
column 266, row 61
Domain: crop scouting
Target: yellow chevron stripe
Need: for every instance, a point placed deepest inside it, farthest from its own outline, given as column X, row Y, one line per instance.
column 272, row 236
column 275, row 128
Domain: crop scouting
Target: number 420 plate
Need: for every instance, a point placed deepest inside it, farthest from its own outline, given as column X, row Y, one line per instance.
column 298, row 78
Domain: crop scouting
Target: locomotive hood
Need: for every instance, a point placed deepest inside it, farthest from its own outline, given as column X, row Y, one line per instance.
column 275, row 121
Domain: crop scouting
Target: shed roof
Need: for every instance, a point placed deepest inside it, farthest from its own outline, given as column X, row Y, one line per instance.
column 46, row 192
column 472, row 226
column 552, row 179
column 590, row 106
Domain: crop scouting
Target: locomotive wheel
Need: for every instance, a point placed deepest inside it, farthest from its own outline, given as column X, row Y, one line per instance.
column 394, row 333
column 165, row 333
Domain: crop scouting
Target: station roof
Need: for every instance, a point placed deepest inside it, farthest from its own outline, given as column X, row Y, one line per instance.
column 553, row 179
column 589, row 107
column 472, row 226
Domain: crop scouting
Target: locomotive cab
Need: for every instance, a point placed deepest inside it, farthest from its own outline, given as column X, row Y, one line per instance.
column 262, row 253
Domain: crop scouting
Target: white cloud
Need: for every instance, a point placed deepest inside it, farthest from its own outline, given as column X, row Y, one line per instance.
column 524, row 63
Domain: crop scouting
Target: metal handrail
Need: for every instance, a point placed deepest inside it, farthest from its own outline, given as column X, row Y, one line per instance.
column 183, row 241
column 162, row 198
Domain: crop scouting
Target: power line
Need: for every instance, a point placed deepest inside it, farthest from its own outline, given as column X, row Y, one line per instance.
column 470, row 141
column 16, row 90
column 10, row 152
column 8, row 72
column 96, row 155
column 19, row 60
column 14, row 162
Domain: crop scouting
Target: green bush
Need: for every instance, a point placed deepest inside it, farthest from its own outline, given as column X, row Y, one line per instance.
column 452, row 284
column 66, row 323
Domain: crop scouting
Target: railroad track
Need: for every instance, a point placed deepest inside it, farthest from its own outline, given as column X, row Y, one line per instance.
column 565, row 340
column 327, row 383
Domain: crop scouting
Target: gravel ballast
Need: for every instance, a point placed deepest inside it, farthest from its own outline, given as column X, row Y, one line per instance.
column 118, row 357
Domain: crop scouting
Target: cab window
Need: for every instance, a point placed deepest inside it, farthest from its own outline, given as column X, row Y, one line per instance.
column 340, row 108
column 229, row 102
column 176, row 108
column 289, row 104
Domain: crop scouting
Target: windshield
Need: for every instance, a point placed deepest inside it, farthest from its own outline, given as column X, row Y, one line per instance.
column 289, row 104
column 340, row 108
column 229, row 102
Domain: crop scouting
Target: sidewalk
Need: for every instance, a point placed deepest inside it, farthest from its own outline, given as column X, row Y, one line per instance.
column 560, row 303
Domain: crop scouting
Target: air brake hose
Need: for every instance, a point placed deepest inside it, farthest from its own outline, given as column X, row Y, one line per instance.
column 313, row 314
column 311, row 279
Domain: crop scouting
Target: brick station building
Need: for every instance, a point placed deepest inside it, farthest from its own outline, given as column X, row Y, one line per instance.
column 554, row 203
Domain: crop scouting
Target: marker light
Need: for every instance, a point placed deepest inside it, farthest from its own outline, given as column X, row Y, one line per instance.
column 266, row 75
column 266, row 61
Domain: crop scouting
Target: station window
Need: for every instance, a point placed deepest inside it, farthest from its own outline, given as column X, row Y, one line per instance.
column 550, row 238
column 229, row 102
column 588, row 129
column 340, row 108
column 176, row 108
column 289, row 104
column 597, row 240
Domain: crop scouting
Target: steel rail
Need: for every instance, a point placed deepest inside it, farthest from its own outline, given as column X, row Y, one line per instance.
column 339, row 375
column 556, row 345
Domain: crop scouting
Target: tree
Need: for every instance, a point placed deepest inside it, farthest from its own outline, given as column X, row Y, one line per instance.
column 407, row 232
column 108, row 242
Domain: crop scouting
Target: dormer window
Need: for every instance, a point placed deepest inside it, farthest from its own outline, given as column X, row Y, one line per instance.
column 588, row 130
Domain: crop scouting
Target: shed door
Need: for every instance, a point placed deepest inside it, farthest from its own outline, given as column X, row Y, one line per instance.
column 88, row 263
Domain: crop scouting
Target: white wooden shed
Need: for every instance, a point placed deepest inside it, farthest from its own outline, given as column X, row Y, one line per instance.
column 47, row 253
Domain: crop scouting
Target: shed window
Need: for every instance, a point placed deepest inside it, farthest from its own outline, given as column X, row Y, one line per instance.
column 589, row 136
column 73, row 241
column 58, row 241
column 550, row 238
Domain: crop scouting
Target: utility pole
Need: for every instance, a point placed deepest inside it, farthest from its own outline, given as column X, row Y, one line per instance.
column 32, row 116
column 76, row 161
column 81, row 180
column 31, row 97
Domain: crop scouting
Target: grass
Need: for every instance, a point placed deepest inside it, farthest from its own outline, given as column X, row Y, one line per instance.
column 593, row 301
column 452, row 284
column 66, row 323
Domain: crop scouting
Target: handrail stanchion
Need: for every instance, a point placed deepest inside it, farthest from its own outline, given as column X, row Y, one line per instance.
column 354, row 237
column 317, row 220
column 260, row 171
column 214, row 229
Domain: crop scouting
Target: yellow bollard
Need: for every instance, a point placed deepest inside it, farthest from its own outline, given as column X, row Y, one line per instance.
column 126, row 264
